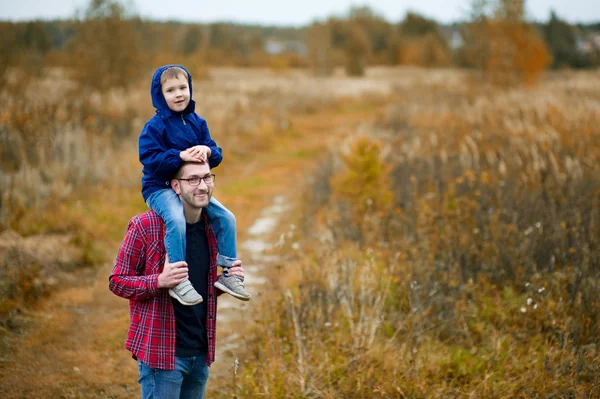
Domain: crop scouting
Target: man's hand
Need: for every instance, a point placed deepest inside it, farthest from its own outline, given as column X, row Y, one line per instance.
column 237, row 270
column 172, row 274
column 200, row 152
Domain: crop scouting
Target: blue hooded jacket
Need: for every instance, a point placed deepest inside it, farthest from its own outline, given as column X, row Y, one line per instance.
column 168, row 133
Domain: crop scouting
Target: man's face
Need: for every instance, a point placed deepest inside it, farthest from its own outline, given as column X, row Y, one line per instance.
column 177, row 93
column 194, row 197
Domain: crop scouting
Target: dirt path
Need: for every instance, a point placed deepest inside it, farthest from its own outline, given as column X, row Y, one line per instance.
column 72, row 346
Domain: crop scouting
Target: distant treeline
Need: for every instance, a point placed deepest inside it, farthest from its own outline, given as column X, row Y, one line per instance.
column 107, row 38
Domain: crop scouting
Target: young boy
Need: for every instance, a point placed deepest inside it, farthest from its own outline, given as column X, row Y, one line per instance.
column 174, row 135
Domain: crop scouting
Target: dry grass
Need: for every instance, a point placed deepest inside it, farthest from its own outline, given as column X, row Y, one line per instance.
column 480, row 280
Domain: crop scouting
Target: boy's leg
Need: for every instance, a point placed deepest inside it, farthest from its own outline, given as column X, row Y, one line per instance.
column 223, row 222
column 224, row 225
column 168, row 205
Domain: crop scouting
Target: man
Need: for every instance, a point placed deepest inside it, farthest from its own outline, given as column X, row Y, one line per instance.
column 173, row 344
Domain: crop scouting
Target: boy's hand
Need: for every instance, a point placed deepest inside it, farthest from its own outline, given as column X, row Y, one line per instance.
column 187, row 157
column 200, row 152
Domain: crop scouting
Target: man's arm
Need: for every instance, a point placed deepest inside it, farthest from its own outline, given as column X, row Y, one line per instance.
column 127, row 279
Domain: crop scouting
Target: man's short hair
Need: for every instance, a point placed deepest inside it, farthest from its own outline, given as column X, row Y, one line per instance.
column 179, row 173
column 172, row 73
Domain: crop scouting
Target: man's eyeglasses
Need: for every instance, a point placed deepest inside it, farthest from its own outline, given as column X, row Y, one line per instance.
column 195, row 181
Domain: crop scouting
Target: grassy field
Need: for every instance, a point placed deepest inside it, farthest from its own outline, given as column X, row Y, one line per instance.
column 451, row 251
column 443, row 239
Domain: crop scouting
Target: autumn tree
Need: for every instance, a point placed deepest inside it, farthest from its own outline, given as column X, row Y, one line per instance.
column 356, row 48
column 422, row 43
column 106, row 52
column 416, row 25
column 8, row 36
column 24, row 45
column 380, row 34
column 192, row 39
column 562, row 41
column 318, row 38
column 502, row 46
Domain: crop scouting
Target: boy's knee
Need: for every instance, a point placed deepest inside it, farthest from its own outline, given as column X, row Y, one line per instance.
column 177, row 222
column 230, row 218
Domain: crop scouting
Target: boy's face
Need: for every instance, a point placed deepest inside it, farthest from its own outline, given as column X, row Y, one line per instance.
column 177, row 93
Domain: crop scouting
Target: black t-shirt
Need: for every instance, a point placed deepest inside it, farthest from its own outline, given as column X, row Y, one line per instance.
column 191, row 339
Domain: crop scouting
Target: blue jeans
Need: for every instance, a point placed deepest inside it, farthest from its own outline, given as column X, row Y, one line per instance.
column 187, row 381
column 168, row 205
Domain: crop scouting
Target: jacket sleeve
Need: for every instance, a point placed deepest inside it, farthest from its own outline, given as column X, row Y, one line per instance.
column 128, row 279
column 155, row 155
column 216, row 155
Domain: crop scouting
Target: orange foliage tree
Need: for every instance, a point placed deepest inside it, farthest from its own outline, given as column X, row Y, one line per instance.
column 504, row 48
column 517, row 53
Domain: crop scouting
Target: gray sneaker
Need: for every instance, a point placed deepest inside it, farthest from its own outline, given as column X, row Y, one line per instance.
column 185, row 293
column 232, row 285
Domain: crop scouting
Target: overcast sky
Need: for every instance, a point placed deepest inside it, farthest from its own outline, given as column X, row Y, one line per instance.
column 292, row 12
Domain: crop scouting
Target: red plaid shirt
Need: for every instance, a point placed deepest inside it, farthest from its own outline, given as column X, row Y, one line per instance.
column 141, row 259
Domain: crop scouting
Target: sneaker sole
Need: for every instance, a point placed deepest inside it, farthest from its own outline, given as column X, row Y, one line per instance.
column 183, row 302
column 227, row 290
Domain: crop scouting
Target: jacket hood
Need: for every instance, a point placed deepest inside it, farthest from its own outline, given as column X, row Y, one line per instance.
column 158, row 100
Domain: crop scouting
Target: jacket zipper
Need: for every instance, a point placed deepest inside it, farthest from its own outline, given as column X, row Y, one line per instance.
column 183, row 120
